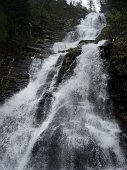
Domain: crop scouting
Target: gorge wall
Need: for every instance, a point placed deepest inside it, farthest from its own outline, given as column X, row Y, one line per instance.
column 29, row 28
column 116, row 32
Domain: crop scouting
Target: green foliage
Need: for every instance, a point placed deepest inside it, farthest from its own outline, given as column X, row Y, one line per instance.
column 118, row 59
column 106, row 33
column 117, row 17
column 55, row 15
column 118, row 4
column 124, row 116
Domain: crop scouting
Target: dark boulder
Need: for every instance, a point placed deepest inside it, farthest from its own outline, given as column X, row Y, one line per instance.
column 68, row 64
column 85, row 42
column 123, row 139
column 31, row 49
column 43, row 107
column 105, row 49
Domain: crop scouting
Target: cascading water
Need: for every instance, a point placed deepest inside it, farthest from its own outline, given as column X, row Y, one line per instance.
column 68, row 127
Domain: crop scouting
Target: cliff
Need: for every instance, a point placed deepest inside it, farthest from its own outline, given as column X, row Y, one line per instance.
column 116, row 32
column 28, row 29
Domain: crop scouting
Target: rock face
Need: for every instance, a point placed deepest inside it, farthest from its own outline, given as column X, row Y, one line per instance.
column 117, row 83
column 43, row 108
column 117, row 58
column 45, row 28
column 105, row 49
column 14, row 70
column 69, row 61
column 123, row 141
column 68, row 64
column 13, row 76
column 84, row 42
column 116, row 62
column 41, row 29
column 118, row 77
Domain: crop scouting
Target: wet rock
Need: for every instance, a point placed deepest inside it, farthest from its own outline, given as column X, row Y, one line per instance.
column 105, row 49
column 68, row 64
column 14, row 70
column 85, row 42
column 123, row 139
column 31, row 49
column 14, row 77
column 107, row 43
column 48, row 95
column 117, row 83
column 43, row 107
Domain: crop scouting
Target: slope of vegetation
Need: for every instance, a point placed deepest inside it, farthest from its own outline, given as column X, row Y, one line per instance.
column 27, row 26
column 116, row 31
column 23, row 20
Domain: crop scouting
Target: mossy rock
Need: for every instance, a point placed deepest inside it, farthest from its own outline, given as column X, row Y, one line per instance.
column 85, row 42
column 72, row 52
column 105, row 34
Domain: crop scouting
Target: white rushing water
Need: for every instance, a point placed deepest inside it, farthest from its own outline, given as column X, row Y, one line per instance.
column 75, row 129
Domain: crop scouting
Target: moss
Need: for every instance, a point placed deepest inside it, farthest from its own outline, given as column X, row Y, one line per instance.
column 116, row 17
column 116, row 32
column 106, row 33
column 6, row 83
column 123, row 116
column 72, row 51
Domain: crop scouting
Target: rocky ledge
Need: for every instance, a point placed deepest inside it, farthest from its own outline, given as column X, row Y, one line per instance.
column 13, row 76
column 69, row 61
column 117, row 66
column 14, row 70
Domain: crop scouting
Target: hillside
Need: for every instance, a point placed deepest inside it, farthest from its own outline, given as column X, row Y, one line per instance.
column 26, row 28
column 23, row 21
column 117, row 33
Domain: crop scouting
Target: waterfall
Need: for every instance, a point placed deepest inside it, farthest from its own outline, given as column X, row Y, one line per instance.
column 65, row 127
